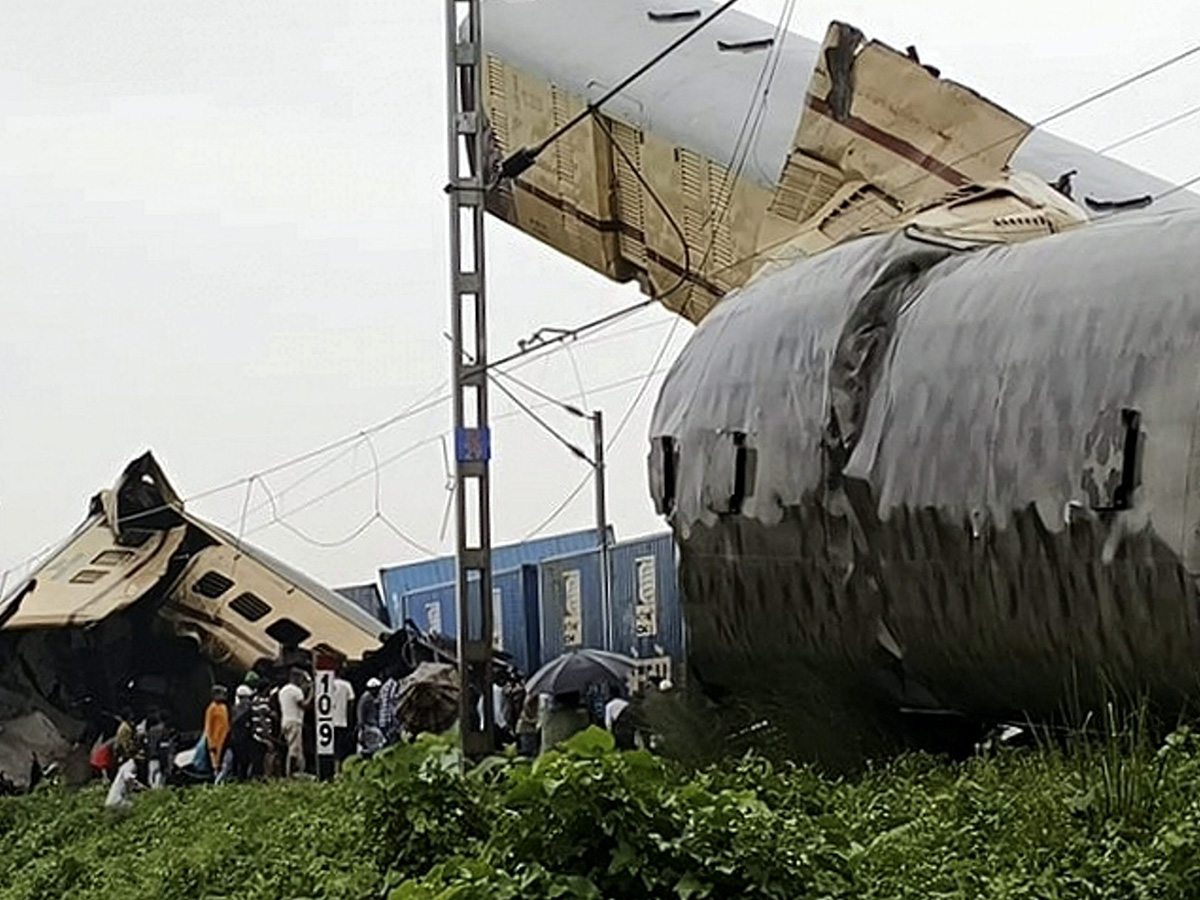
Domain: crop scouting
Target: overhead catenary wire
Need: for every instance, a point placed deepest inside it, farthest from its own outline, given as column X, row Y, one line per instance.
column 585, row 334
column 1152, row 129
column 410, row 449
column 685, row 249
column 1066, row 110
column 611, row 442
column 545, row 426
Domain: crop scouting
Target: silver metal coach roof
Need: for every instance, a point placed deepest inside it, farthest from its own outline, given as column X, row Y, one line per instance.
column 700, row 94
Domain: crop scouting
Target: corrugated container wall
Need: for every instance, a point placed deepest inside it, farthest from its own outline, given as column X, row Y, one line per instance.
column 433, row 609
column 399, row 581
column 543, row 610
column 514, row 610
column 647, row 615
column 570, row 604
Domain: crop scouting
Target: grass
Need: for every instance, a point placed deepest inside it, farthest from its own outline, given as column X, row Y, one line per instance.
column 1113, row 818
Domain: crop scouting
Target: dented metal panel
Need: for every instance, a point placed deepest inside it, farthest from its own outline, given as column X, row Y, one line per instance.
column 944, row 512
column 91, row 577
column 872, row 138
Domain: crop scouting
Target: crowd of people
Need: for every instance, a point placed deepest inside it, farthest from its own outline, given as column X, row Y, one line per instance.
column 269, row 729
column 536, row 722
column 265, row 732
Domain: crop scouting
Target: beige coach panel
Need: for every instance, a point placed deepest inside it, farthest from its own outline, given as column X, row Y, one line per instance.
column 565, row 199
column 91, row 577
column 242, row 611
column 585, row 198
column 881, row 137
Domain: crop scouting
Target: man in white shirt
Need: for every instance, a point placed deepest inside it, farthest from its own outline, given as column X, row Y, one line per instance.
column 343, row 738
column 612, row 709
column 292, row 701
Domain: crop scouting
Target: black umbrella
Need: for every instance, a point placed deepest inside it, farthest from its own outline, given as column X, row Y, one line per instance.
column 428, row 699
column 577, row 669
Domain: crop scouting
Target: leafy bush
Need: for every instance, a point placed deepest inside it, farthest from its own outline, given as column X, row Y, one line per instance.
column 1116, row 819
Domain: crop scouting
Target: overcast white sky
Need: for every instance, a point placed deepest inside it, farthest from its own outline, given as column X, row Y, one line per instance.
column 223, row 239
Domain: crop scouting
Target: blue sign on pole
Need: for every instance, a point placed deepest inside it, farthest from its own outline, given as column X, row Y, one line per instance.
column 473, row 444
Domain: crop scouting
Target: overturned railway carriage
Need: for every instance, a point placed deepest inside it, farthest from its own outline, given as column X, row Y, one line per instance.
column 912, row 478
column 930, row 451
column 145, row 603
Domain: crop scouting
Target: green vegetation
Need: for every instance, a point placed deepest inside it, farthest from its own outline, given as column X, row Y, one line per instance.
column 1118, row 818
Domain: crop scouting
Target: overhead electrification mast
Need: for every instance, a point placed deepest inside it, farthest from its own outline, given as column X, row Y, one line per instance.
column 468, row 311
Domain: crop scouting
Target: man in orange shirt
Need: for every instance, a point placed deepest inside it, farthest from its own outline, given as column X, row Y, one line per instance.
column 216, row 728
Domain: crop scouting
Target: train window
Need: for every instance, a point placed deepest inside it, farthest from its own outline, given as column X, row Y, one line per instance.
column 112, row 557
column 663, row 460
column 212, row 585
column 249, row 607
column 88, row 576
column 288, row 633
column 745, row 468
column 1111, row 460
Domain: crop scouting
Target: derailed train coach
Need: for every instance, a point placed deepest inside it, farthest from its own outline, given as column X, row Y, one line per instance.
column 912, row 482
column 929, row 455
column 147, row 603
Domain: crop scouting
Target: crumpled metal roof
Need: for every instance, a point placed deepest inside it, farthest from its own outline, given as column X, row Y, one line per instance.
column 698, row 96
column 998, row 364
column 973, row 481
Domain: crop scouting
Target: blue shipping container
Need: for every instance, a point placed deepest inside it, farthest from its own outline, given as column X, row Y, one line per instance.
column 514, row 611
column 647, row 615
column 398, row 581
column 571, row 615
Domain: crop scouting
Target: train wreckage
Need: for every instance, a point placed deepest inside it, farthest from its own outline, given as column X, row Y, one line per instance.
column 931, row 454
column 147, row 603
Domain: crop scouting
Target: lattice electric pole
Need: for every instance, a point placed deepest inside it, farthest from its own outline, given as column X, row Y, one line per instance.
column 468, row 307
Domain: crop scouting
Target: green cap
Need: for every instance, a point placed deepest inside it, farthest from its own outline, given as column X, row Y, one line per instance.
column 251, row 678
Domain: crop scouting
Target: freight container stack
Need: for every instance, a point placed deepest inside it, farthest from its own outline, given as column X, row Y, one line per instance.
column 545, row 606
column 647, row 621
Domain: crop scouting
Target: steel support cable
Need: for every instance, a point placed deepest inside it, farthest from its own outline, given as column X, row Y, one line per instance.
column 561, row 508
column 580, row 334
column 416, row 408
column 637, row 172
column 377, row 515
column 758, row 99
column 424, row 442
column 549, row 398
column 546, row 426
column 413, row 448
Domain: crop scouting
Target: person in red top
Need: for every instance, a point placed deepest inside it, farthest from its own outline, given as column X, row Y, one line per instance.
column 216, row 727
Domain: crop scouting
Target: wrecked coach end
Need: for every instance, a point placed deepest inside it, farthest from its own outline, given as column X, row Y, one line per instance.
column 912, row 484
column 147, row 604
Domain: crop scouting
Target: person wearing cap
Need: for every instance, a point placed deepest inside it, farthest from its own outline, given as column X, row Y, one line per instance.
column 247, row 757
column 370, row 736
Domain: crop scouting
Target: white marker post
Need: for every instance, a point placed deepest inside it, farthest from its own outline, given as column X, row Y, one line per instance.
column 325, row 669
